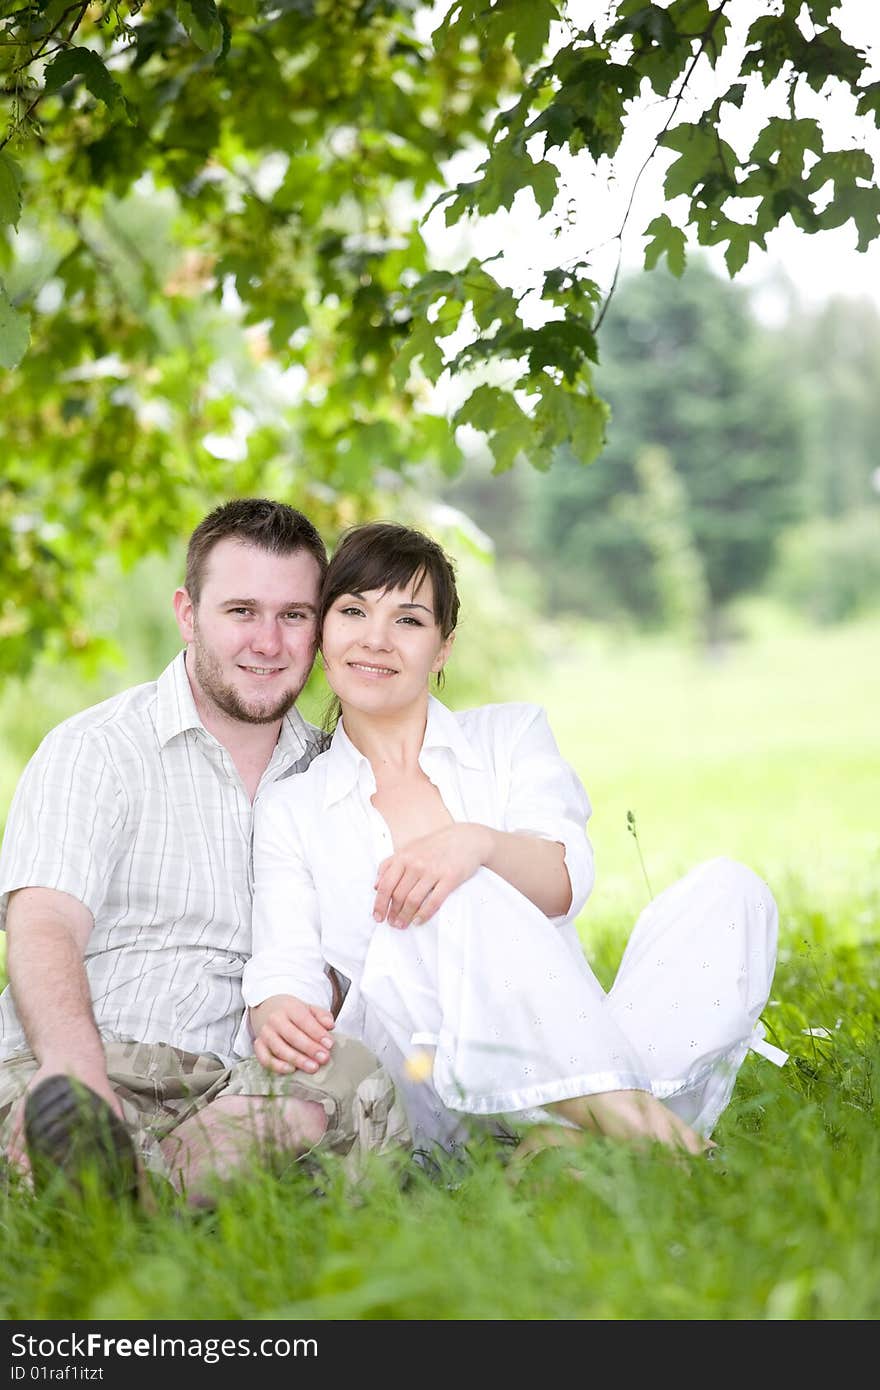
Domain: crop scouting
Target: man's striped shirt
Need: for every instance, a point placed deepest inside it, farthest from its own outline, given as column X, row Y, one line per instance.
column 136, row 810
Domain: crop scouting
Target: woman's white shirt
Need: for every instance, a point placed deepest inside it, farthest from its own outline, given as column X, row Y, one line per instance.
column 318, row 840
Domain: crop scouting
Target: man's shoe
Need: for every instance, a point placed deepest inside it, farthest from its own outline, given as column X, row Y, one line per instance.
column 72, row 1131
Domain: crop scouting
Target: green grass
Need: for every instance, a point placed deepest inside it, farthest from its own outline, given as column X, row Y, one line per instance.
column 771, row 755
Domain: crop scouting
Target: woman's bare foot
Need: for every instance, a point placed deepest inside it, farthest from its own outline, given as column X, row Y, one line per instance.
column 636, row 1117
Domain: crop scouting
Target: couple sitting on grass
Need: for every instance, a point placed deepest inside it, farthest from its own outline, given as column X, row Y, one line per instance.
column 230, row 935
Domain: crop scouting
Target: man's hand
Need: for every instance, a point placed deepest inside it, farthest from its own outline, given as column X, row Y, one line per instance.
column 414, row 882
column 93, row 1077
column 290, row 1035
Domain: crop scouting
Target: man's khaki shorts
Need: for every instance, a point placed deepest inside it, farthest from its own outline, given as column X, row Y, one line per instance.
column 160, row 1086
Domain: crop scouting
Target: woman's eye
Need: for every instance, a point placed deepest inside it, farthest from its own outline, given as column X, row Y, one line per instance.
column 407, row 618
column 351, row 612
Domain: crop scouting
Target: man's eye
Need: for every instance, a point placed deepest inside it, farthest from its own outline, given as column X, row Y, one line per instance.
column 297, row 614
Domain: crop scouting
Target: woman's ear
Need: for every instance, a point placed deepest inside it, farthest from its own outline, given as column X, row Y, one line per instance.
column 442, row 656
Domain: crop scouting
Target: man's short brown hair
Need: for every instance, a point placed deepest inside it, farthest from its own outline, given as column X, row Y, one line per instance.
column 272, row 526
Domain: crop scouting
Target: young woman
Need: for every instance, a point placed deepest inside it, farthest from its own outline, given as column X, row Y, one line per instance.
column 437, row 860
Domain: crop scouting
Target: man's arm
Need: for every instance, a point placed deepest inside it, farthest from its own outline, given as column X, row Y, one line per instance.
column 47, row 933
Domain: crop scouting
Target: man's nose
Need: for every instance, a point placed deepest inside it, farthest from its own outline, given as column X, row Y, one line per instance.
column 267, row 636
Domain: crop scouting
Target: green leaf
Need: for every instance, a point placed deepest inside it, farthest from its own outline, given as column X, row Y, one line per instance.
column 564, row 285
column 668, row 241
column 489, row 408
column 820, row 10
column 860, row 204
column 14, row 332
column 692, row 17
column 869, row 102
column 543, row 179
column 735, row 94
column 435, row 440
column 491, row 302
column 287, row 318
column 565, row 344
column 421, row 345
column 842, row 167
column 703, row 155
column 563, row 416
column 787, row 141
column 506, row 172
column 10, row 190
column 497, row 415
column 647, row 23
column 532, row 30
column 740, row 240
column 84, row 63
column 202, row 22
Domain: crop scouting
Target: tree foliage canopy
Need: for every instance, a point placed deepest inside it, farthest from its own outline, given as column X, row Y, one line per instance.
column 211, row 226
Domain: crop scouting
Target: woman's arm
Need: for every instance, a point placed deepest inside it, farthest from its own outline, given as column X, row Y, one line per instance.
column 415, row 882
column 287, row 963
column 290, row 1035
column 543, row 850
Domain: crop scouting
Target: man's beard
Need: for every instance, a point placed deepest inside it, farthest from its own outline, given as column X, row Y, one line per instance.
column 227, row 698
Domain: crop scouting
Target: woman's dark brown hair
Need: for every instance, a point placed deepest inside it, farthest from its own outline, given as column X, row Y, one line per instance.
column 384, row 555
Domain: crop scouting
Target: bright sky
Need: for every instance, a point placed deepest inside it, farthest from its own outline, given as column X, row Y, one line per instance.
column 819, row 265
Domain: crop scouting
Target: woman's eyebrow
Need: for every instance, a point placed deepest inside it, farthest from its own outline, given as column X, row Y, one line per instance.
column 355, row 593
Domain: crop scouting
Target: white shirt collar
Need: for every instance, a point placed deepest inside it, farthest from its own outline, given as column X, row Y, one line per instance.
column 442, row 731
column 176, row 713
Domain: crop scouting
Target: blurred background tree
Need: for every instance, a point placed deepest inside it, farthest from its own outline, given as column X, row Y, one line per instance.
column 713, row 455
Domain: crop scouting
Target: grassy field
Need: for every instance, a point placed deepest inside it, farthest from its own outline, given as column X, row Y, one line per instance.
column 771, row 754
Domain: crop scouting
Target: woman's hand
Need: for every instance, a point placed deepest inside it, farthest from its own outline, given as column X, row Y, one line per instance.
column 415, row 881
column 290, row 1035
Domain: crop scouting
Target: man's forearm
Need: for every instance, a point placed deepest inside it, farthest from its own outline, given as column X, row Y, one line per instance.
column 51, row 991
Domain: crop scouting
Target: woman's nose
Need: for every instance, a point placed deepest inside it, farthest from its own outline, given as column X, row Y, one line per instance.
column 377, row 635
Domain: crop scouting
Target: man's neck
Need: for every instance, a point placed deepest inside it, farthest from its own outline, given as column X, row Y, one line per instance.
column 249, row 745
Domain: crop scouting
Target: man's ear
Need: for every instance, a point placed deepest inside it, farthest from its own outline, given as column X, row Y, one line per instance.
column 184, row 612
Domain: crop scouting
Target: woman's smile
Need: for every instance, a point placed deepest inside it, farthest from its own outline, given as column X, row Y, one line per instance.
column 371, row 670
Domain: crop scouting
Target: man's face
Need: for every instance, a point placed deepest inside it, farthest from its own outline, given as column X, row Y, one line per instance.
column 252, row 636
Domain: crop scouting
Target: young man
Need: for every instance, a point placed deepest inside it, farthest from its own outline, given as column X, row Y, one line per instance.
column 125, row 884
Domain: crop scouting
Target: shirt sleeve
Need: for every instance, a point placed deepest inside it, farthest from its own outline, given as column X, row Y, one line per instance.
column 546, row 798
column 64, row 822
column 287, row 952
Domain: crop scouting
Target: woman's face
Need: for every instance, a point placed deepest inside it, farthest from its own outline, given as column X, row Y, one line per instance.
column 381, row 646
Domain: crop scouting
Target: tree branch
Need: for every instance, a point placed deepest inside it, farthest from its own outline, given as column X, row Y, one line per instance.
column 618, row 236
column 83, row 8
